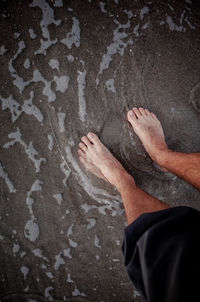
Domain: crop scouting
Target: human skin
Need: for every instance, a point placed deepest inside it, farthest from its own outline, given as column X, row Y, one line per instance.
column 98, row 159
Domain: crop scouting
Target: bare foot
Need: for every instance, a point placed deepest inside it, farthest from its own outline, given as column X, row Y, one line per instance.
column 148, row 128
column 97, row 159
column 88, row 164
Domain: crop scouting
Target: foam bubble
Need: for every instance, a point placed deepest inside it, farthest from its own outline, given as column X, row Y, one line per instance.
column 7, row 180
column 32, row 33
column 110, row 85
column 31, row 230
column 73, row 37
column 59, row 261
column 81, row 94
column 50, row 145
column 25, row 271
column 58, row 198
column 29, row 149
column 144, row 11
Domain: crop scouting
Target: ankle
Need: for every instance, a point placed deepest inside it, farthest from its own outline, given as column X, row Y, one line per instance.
column 162, row 157
column 123, row 181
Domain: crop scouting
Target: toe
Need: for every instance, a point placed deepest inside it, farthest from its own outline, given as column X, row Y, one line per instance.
column 142, row 111
column 86, row 141
column 83, row 147
column 131, row 116
column 147, row 112
column 93, row 138
column 153, row 115
column 137, row 112
column 81, row 153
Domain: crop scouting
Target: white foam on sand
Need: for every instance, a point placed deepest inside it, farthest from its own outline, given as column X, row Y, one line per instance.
column 77, row 292
column 115, row 260
column 58, row 3
column 73, row 37
column 144, row 11
column 18, row 81
column 136, row 30
column 81, row 93
column 61, row 83
column 59, row 261
column 173, row 26
column 25, row 271
column 47, row 293
column 129, row 13
column 118, row 45
column 16, row 249
column 54, row 63
column 30, row 109
column 70, row 58
column 91, row 224
column 69, row 279
column 39, row 253
column 110, row 85
column 72, row 243
column 102, row 7
column 7, row 180
column 31, row 229
column 70, row 232
column 49, row 275
column 32, row 33
column 189, row 23
column 87, row 207
column 58, row 198
column 118, row 242
column 61, row 121
column 16, row 137
column 96, row 242
column 66, row 253
column 16, row 35
column 50, row 145
column 27, row 63
column 136, row 294
column 47, row 91
column 16, row 109
column 47, row 19
column 65, row 170
column 2, row 50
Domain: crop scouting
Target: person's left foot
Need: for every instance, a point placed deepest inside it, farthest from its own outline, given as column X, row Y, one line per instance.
column 98, row 159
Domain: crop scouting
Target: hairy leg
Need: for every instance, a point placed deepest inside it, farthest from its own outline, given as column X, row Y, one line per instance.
column 98, row 160
column 149, row 130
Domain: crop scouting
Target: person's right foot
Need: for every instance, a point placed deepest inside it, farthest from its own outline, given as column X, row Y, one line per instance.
column 148, row 128
column 96, row 158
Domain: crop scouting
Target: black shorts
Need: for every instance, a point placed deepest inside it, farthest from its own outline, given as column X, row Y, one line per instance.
column 162, row 255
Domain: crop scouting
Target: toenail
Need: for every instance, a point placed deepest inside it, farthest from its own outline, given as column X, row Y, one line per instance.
column 90, row 135
column 130, row 112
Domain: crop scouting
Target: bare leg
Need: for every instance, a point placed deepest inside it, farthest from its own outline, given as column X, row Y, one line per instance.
column 149, row 130
column 98, row 159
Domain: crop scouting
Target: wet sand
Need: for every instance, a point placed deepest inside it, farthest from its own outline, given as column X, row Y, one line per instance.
column 68, row 68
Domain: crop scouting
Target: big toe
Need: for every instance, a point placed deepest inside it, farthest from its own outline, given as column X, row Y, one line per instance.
column 131, row 117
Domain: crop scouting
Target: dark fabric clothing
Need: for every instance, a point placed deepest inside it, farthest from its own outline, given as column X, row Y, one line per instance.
column 162, row 255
